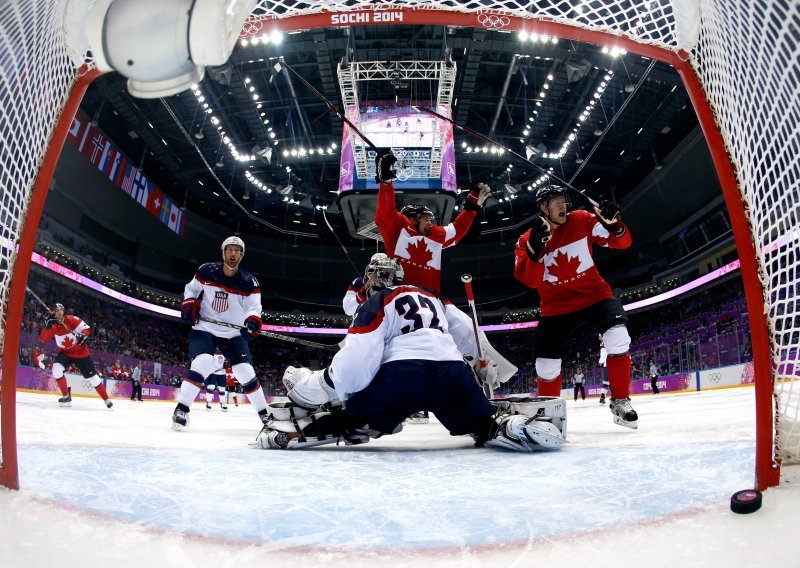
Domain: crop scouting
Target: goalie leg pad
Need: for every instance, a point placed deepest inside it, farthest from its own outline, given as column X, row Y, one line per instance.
column 543, row 408
column 305, row 430
column 523, row 434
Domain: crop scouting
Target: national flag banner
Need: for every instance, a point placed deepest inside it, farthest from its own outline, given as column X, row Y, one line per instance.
column 176, row 220
column 141, row 189
column 128, row 178
column 98, row 149
column 154, row 201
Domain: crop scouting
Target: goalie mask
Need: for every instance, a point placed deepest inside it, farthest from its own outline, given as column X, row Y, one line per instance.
column 386, row 270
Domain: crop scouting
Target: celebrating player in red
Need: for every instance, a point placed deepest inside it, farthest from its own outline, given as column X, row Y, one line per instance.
column 71, row 333
column 555, row 257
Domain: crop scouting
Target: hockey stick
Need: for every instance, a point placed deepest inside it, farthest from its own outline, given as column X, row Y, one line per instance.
column 272, row 335
column 324, row 99
column 38, row 299
column 488, row 390
column 335, row 236
column 509, row 150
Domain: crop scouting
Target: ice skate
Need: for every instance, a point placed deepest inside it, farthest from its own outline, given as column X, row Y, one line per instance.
column 66, row 401
column 208, row 406
column 223, row 408
column 623, row 413
column 180, row 418
column 602, row 398
column 524, row 434
column 108, row 402
column 418, row 418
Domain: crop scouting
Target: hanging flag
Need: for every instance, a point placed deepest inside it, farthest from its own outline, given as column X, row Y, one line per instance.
column 154, row 201
column 175, row 221
column 141, row 189
column 128, row 178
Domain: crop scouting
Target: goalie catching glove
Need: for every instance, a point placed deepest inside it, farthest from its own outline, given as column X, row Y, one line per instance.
column 608, row 214
column 477, row 197
column 384, row 166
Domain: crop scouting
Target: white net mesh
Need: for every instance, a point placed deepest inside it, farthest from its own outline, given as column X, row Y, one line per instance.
column 753, row 83
column 747, row 60
column 36, row 76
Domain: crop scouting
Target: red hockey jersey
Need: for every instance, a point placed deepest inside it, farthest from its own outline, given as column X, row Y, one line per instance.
column 420, row 256
column 66, row 334
column 567, row 278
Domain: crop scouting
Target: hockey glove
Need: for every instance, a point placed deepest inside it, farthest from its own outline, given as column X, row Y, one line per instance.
column 384, row 162
column 80, row 338
column 608, row 213
column 50, row 322
column 190, row 310
column 540, row 234
column 253, row 325
column 477, row 197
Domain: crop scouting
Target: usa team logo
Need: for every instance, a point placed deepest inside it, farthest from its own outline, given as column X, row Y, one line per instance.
column 220, row 303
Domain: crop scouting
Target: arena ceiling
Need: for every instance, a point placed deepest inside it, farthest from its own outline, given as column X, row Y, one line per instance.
column 602, row 119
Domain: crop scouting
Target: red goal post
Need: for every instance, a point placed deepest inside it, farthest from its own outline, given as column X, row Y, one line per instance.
column 738, row 60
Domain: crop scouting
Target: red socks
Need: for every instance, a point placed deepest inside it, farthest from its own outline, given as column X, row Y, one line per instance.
column 619, row 375
column 548, row 388
column 62, row 384
column 101, row 390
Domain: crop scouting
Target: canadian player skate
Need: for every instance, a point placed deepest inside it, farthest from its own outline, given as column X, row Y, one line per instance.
column 623, row 413
column 66, row 401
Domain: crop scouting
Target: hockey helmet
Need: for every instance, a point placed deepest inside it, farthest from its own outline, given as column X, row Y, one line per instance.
column 233, row 241
column 386, row 269
column 59, row 306
column 415, row 211
column 548, row 192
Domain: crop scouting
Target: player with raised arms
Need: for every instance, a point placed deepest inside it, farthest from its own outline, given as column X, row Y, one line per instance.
column 555, row 258
column 223, row 292
column 412, row 236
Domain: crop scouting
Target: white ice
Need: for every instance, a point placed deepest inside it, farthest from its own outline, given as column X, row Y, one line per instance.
column 120, row 488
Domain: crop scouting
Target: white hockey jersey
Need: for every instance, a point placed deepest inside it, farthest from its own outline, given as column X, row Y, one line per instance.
column 230, row 300
column 402, row 322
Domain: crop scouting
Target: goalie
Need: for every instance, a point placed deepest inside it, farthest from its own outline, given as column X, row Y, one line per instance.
column 399, row 358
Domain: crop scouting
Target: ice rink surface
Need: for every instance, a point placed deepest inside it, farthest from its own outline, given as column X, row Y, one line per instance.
column 120, row 488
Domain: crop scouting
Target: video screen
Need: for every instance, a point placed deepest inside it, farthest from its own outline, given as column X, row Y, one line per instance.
column 411, row 134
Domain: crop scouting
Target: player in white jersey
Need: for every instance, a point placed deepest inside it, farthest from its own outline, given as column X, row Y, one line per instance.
column 223, row 292
column 398, row 359
column 216, row 382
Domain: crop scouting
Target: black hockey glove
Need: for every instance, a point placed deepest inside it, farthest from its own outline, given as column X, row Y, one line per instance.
column 190, row 310
column 384, row 162
column 540, row 234
column 608, row 213
column 253, row 325
column 81, row 338
column 50, row 322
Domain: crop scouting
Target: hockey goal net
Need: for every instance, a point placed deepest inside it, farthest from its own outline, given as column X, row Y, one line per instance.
column 739, row 61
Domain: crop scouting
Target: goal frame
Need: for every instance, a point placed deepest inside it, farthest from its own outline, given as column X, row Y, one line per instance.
column 767, row 470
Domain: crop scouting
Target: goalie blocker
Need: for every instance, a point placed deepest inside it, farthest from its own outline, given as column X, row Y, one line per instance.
column 524, row 424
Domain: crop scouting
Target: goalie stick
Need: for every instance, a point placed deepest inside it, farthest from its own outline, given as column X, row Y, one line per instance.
column 488, row 390
column 334, row 347
column 509, row 150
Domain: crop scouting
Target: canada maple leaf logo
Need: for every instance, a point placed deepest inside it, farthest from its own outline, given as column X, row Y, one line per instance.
column 418, row 253
column 67, row 342
column 564, row 267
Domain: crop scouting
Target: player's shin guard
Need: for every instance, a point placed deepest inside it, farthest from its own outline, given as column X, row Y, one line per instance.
column 62, row 385
column 255, row 394
column 619, row 375
column 188, row 392
column 548, row 388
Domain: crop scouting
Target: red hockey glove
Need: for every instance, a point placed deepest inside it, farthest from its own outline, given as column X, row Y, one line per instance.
column 190, row 310
column 253, row 325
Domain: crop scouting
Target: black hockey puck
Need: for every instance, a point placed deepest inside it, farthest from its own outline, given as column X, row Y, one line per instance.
column 746, row 501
